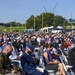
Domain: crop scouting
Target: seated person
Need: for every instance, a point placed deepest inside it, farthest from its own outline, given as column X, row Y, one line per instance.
column 36, row 60
column 71, row 58
column 28, row 64
column 5, row 65
column 55, row 54
column 56, row 46
column 15, row 55
column 0, row 46
column 49, row 63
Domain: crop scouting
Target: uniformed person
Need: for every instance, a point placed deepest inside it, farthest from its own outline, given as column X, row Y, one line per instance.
column 5, row 65
column 28, row 64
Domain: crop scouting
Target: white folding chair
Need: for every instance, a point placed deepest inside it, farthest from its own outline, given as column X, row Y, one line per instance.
column 65, row 64
column 17, row 61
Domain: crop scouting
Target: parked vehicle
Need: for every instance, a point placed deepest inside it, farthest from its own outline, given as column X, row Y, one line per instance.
column 28, row 31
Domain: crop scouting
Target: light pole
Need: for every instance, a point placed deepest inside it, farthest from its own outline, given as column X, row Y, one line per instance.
column 25, row 27
column 71, row 22
column 34, row 21
column 42, row 19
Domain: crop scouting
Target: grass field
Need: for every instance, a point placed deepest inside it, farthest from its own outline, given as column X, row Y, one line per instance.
column 8, row 29
column 21, row 29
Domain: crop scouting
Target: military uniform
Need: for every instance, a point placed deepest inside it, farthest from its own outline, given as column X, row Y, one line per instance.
column 28, row 65
column 5, row 65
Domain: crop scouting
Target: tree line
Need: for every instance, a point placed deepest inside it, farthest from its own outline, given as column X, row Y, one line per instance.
column 48, row 19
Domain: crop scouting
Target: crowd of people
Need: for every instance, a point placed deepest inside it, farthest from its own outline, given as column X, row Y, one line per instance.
column 37, row 52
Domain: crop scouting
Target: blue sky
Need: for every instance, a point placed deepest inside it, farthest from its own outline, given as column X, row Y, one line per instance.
column 21, row 10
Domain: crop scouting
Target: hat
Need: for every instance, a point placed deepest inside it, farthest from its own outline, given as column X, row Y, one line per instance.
column 31, row 47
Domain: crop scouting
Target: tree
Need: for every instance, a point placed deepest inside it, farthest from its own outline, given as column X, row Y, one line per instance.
column 18, row 24
column 30, row 22
column 12, row 23
column 49, row 19
column 59, row 20
column 15, row 24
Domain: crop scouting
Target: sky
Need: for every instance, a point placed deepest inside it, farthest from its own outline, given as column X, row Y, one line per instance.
column 21, row 10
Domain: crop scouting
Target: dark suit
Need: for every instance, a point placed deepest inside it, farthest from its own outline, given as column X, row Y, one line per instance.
column 29, row 66
column 71, row 57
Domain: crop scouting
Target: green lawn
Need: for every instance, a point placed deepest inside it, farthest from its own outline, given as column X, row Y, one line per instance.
column 7, row 29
